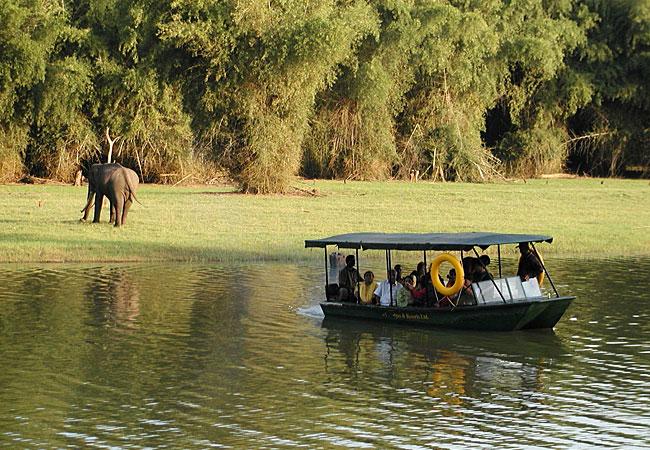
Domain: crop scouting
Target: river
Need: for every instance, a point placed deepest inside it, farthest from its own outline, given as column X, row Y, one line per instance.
column 198, row 356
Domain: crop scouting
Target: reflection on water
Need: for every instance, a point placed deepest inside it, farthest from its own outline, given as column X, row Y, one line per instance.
column 115, row 297
column 194, row 356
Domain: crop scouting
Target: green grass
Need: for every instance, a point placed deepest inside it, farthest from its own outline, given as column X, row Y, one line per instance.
column 587, row 217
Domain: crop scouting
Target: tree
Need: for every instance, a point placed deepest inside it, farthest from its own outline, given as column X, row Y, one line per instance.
column 611, row 131
column 29, row 30
column 263, row 65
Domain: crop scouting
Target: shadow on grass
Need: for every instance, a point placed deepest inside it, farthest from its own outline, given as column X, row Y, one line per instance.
column 295, row 192
column 221, row 193
column 77, row 221
column 12, row 221
column 108, row 250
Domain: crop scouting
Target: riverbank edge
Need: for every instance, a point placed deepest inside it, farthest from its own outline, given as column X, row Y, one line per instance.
column 589, row 218
column 302, row 259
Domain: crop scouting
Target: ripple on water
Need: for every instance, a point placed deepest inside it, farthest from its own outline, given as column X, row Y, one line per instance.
column 187, row 355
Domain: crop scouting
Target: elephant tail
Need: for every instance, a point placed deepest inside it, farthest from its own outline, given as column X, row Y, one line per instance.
column 135, row 198
column 132, row 190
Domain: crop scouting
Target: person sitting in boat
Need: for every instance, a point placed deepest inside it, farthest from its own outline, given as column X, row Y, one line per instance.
column 529, row 264
column 367, row 288
column 445, row 301
column 470, row 267
column 418, row 288
column 387, row 290
column 349, row 277
column 451, row 277
column 398, row 273
column 406, row 295
column 481, row 272
column 419, row 275
column 466, row 294
column 421, row 270
column 425, row 292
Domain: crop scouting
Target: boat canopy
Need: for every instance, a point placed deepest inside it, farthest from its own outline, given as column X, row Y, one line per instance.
column 424, row 241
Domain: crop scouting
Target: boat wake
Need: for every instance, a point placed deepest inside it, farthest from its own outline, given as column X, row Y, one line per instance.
column 313, row 311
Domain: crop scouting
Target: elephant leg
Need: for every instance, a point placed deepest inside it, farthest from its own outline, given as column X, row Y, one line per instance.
column 99, row 201
column 127, row 205
column 112, row 220
column 89, row 204
column 119, row 207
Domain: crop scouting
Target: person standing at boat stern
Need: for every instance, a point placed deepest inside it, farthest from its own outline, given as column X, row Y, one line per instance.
column 349, row 277
column 387, row 290
column 529, row 264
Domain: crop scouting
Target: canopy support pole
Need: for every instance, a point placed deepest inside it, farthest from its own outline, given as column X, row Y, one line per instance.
column 390, row 283
column 426, row 291
column 491, row 277
column 387, row 266
column 327, row 278
column 358, row 273
column 460, row 293
column 557, row 294
column 499, row 257
column 435, row 293
column 387, row 272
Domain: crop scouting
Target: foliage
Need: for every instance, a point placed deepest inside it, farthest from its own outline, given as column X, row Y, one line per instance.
column 13, row 140
column 62, row 136
column 147, row 116
column 352, row 89
column 458, row 81
column 615, row 64
column 28, row 33
column 280, row 56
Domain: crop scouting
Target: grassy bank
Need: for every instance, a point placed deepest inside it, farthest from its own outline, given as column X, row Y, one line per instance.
column 588, row 217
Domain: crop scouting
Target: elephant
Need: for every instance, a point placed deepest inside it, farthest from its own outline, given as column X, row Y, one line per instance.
column 98, row 177
column 116, row 182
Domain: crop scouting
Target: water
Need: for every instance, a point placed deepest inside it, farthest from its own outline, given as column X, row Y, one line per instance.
column 197, row 356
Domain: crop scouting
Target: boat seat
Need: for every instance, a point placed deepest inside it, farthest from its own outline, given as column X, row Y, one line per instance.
column 485, row 292
column 512, row 289
column 531, row 288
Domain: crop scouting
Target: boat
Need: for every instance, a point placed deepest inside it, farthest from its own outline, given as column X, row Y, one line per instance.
column 496, row 304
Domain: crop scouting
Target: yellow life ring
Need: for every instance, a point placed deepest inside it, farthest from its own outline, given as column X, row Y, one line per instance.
column 435, row 278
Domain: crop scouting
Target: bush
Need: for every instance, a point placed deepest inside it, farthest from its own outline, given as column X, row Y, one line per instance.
column 346, row 142
column 13, row 141
column 530, row 153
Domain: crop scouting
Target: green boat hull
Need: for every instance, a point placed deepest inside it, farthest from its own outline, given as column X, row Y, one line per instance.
column 551, row 314
column 543, row 313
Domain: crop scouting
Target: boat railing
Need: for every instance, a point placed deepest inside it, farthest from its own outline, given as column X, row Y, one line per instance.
column 510, row 289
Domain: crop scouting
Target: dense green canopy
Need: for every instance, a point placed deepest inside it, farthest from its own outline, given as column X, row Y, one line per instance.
column 351, row 89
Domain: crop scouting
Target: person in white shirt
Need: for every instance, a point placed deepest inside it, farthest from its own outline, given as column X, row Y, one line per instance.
column 387, row 289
